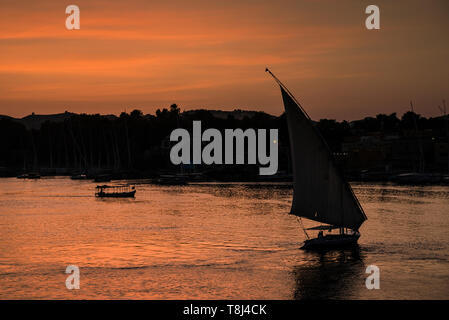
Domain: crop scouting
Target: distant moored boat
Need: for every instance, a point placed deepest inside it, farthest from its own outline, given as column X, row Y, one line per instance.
column 29, row 176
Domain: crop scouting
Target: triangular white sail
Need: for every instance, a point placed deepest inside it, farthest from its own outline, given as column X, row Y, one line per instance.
column 320, row 192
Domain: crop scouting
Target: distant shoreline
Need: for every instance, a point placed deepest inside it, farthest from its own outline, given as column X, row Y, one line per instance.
column 407, row 179
column 383, row 148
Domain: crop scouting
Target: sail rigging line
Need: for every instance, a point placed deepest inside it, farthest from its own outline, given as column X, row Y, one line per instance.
column 332, row 159
column 286, row 89
column 302, row 226
column 303, row 111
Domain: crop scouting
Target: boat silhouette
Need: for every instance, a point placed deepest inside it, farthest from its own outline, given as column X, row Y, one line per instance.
column 119, row 191
column 320, row 192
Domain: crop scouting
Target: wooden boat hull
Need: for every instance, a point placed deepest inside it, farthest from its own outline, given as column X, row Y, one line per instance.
column 331, row 242
column 116, row 194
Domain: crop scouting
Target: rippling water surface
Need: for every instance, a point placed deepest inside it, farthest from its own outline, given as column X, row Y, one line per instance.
column 213, row 241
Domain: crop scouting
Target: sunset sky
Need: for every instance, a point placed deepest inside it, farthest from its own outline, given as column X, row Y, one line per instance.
column 211, row 54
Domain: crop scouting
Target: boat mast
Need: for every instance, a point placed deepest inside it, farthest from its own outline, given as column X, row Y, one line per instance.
column 446, row 127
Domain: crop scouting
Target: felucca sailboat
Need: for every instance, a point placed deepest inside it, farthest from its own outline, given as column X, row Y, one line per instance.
column 320, row 192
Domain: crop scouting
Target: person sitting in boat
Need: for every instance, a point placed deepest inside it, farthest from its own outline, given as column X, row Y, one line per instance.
column 320, row 234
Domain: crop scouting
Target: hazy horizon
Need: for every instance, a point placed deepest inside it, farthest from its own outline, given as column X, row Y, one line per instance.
column 203, row 54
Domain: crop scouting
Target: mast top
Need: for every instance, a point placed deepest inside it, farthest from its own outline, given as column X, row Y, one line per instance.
column 288, row 92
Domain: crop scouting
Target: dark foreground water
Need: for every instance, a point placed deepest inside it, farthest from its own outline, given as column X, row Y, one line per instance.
column 213, row 241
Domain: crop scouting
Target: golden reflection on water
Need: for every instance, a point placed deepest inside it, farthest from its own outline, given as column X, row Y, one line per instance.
column 213, row 241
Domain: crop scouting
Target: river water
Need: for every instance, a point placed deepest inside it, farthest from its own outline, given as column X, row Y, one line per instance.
column 214, row 241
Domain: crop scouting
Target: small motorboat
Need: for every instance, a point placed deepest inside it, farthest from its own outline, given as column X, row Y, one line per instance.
column 120, row 191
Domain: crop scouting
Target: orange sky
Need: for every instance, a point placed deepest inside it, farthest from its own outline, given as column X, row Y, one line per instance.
column 148, row 54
